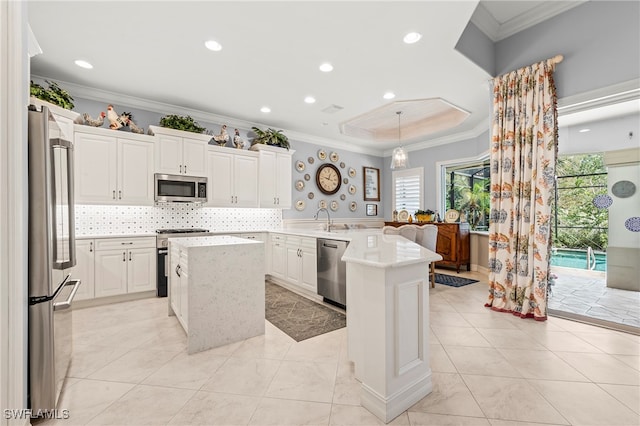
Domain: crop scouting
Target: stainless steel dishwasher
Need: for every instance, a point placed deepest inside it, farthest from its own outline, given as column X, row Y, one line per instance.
column 332, row 271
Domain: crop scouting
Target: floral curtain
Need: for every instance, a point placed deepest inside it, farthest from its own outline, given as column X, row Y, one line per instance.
column 523, row 159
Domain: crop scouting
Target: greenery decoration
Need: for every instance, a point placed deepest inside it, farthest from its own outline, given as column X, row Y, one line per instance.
column 270, row 137
column 424, row 215
column 53, row 94
column 427, row 212
column 179, row 122
column 475, row 202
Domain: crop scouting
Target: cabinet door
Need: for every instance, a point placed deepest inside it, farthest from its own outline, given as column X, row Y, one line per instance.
column 174, row 281
column 135, row 172
column 84, row 269
column 278, row 259
column 293, row 263
column 220, row 185
column 141, row 270
column 95, row 169
column 309, row 270
column 169, row 155
column 194, row 157
column 245, row 181
column 110, row 272
column 283, row 181
column 184, row 299
column 268, row 179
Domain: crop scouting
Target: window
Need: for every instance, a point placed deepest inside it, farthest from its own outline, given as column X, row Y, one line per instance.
column 466, row 189
column 407, row 189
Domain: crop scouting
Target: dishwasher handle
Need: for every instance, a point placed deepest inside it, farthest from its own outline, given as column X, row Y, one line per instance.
column 329, row 245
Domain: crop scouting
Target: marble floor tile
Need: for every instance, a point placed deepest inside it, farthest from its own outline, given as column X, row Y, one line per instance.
column 280, row 412
column 541, row 365
column 270, row 346
column 86, row 399
column 602, row 368
column 459, row 336
column 632, row 361
column 134, row 366
column 611, row 343
column 484, row 361
column 585, row 403
column 500, row 338
column 628, row 395
column 564, row 341
column 211, row 408
column 347, row 415
column 501, row 398
column 145, row 405
column 448, row 319
column 429, row 419
column 243, row 376
column 439, row 360
column 304, row 380
column 186, row 371
column 498, row 422
column 324, row 348
column 492, row 320
column 89, row 359
column 450, row 395
column 347, row 392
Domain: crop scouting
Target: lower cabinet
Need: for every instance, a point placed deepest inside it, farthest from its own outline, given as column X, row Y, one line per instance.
column 84, row 269
column 277, row 256
column 124, row 265
column 178, row 285
column 297, row 261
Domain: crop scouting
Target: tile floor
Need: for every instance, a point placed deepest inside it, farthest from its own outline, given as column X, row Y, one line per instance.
column 586, row 293
column 130, row 368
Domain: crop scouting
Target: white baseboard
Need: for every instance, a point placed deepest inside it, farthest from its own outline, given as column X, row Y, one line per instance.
column 88, row 303
column 387, row 409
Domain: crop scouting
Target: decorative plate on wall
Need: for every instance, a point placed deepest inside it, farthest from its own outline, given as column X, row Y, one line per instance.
column 451, row 215
column 352, row 189
column 353, row 206
column 307, row 176
column 300, row 204
column 334, row 156
column 602, row 201
column 322, row 155
column 345, row 181
column 632, row 224
column 300, row 166
column 623, row 189
column 334, row 205
column 310, row 160
column 322, row 204
column 342, row 165
column 310, row 195
column 343, row 197
column 299, row 185
column 352, row 172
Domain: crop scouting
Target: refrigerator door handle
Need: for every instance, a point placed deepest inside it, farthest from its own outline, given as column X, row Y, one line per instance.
column 70, row 219
column 67, row 303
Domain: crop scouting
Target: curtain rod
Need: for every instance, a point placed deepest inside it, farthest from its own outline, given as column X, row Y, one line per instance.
column 555, row 60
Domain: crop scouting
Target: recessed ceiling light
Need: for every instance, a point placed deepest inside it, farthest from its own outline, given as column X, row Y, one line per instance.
column 326, row 67
column 389, row 95
column 265, row 109
column 83, row 64
column 584, row 130
column 412, row 37
column 310, row 100
column 213, row 45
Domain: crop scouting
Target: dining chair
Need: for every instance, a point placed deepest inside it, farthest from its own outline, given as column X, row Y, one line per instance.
column 407, row 231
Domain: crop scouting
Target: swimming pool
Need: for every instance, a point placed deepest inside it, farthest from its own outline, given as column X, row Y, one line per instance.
column 569, row 258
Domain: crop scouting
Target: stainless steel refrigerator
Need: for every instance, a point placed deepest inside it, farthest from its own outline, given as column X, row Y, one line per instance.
column 51, row 254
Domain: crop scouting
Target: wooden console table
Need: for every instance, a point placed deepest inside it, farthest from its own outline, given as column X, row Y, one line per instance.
column 453, row 242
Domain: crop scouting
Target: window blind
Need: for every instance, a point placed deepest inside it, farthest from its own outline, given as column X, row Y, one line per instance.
column 408, row 190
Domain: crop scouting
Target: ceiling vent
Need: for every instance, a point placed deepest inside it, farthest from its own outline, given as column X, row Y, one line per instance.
column 331, row 109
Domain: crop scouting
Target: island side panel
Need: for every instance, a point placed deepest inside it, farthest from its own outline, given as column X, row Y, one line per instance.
column 226, row 294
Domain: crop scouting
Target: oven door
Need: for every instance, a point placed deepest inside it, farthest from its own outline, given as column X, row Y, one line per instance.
column 162, row 272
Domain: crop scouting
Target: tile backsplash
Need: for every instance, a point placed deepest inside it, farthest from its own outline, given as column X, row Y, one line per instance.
column 125, row 220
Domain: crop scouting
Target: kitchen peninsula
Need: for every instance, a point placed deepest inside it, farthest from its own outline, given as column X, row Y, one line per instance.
column 216, row 289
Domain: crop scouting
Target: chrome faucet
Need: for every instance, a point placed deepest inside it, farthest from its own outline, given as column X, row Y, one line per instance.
column 328, row 217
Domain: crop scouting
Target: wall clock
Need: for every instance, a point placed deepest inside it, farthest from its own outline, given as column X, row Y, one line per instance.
column 623, row 189
column 328, row 179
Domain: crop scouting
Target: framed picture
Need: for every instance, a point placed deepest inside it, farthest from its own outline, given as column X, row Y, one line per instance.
column 371, row 178
column 372, row 210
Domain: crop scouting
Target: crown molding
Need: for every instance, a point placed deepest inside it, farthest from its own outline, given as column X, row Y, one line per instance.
column 485, row 21
column 601, row 97
column 109, row 97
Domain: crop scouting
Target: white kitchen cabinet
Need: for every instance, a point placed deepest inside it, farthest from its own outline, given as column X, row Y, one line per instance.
column 179, row 152
column 64, row 118
column 301, row 267
column 178, row 284
column 275, row 176
column 277, row 255
column 110, row 169
column 124, row 265
column 84, row 269
column 233, row 178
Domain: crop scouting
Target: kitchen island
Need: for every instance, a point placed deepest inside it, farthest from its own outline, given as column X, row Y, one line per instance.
column 216, row 289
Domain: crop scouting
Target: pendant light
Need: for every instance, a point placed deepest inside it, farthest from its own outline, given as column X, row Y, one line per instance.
column 399, row 158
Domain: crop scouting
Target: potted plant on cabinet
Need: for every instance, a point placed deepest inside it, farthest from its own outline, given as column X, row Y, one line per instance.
column 178, row 122
column 53, row 94
column 424, row 215
column 271, row 137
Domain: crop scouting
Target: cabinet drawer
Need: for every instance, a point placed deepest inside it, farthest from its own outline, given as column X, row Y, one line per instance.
column 293, row 241
column 308, row 243
column 278, row 238
column 125, row 243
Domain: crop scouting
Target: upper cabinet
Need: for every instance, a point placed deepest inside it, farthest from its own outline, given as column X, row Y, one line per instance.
column 233, row 177
column 113, row 167
column 179, row 152
column 275, row 176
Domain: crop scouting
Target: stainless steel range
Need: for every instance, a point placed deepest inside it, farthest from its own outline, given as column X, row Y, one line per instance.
column 162, row 241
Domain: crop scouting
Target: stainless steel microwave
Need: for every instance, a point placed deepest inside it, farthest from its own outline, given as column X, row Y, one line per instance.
column 180, row 189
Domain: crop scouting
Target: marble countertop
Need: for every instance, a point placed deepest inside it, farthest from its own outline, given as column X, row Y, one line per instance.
column 211, row 241
column 386, row 251
column 92, row 236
